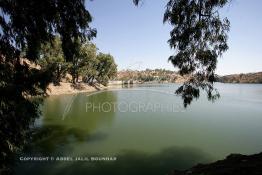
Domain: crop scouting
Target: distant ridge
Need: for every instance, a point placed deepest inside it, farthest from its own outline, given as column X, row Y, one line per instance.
column 163, row 75
column 242, row 78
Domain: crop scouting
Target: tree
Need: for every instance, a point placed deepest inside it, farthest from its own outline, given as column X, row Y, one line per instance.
column 106, row 68
column 52, row 59
column 87, row 61
column 199, row 37
column 25, row 25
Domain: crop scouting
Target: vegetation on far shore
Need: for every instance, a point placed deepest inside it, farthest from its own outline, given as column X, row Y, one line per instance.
column 242, row 78
column 163, row 75
column 156, row 75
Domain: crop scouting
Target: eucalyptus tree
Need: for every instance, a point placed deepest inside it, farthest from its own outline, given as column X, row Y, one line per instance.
column 25, row 25
column 88, row 61
column 198, row 38
column 52, row 59
column 106, row 68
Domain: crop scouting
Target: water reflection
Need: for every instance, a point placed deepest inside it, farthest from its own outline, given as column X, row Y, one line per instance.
column 232, row 124
column 54, row 139
column 71, row 111
column 66, row 121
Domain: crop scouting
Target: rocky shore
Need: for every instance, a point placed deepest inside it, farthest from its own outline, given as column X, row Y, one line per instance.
column 234, row 164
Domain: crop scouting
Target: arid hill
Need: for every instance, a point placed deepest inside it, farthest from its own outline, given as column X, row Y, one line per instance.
column 148, row 75
column 242, row 78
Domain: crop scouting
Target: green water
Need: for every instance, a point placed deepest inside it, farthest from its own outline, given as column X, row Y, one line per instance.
column 146, row 128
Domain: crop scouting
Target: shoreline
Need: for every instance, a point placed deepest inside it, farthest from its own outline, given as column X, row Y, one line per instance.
column 239, row 164
column 68, row 88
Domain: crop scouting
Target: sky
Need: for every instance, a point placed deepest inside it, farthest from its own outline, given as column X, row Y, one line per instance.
column 137, row 37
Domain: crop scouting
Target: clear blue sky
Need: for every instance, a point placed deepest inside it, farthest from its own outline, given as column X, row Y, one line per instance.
column 137, row 38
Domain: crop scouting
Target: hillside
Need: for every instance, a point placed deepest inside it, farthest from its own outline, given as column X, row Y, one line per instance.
column 242, row 78
column 148, row 75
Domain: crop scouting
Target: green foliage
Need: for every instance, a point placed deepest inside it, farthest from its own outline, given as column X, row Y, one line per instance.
column 91, row 66
column 147, row 75
column 17, row 109
column 147, row 78
column 106, row 68
column 25, row 25
column 87, row 61
column 52, row 59
column 199, row 36
column 87, row 64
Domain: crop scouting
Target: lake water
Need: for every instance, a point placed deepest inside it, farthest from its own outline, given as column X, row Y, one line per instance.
column 145, row 128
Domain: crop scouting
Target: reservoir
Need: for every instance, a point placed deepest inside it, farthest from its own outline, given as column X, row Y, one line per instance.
column 143, row 129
